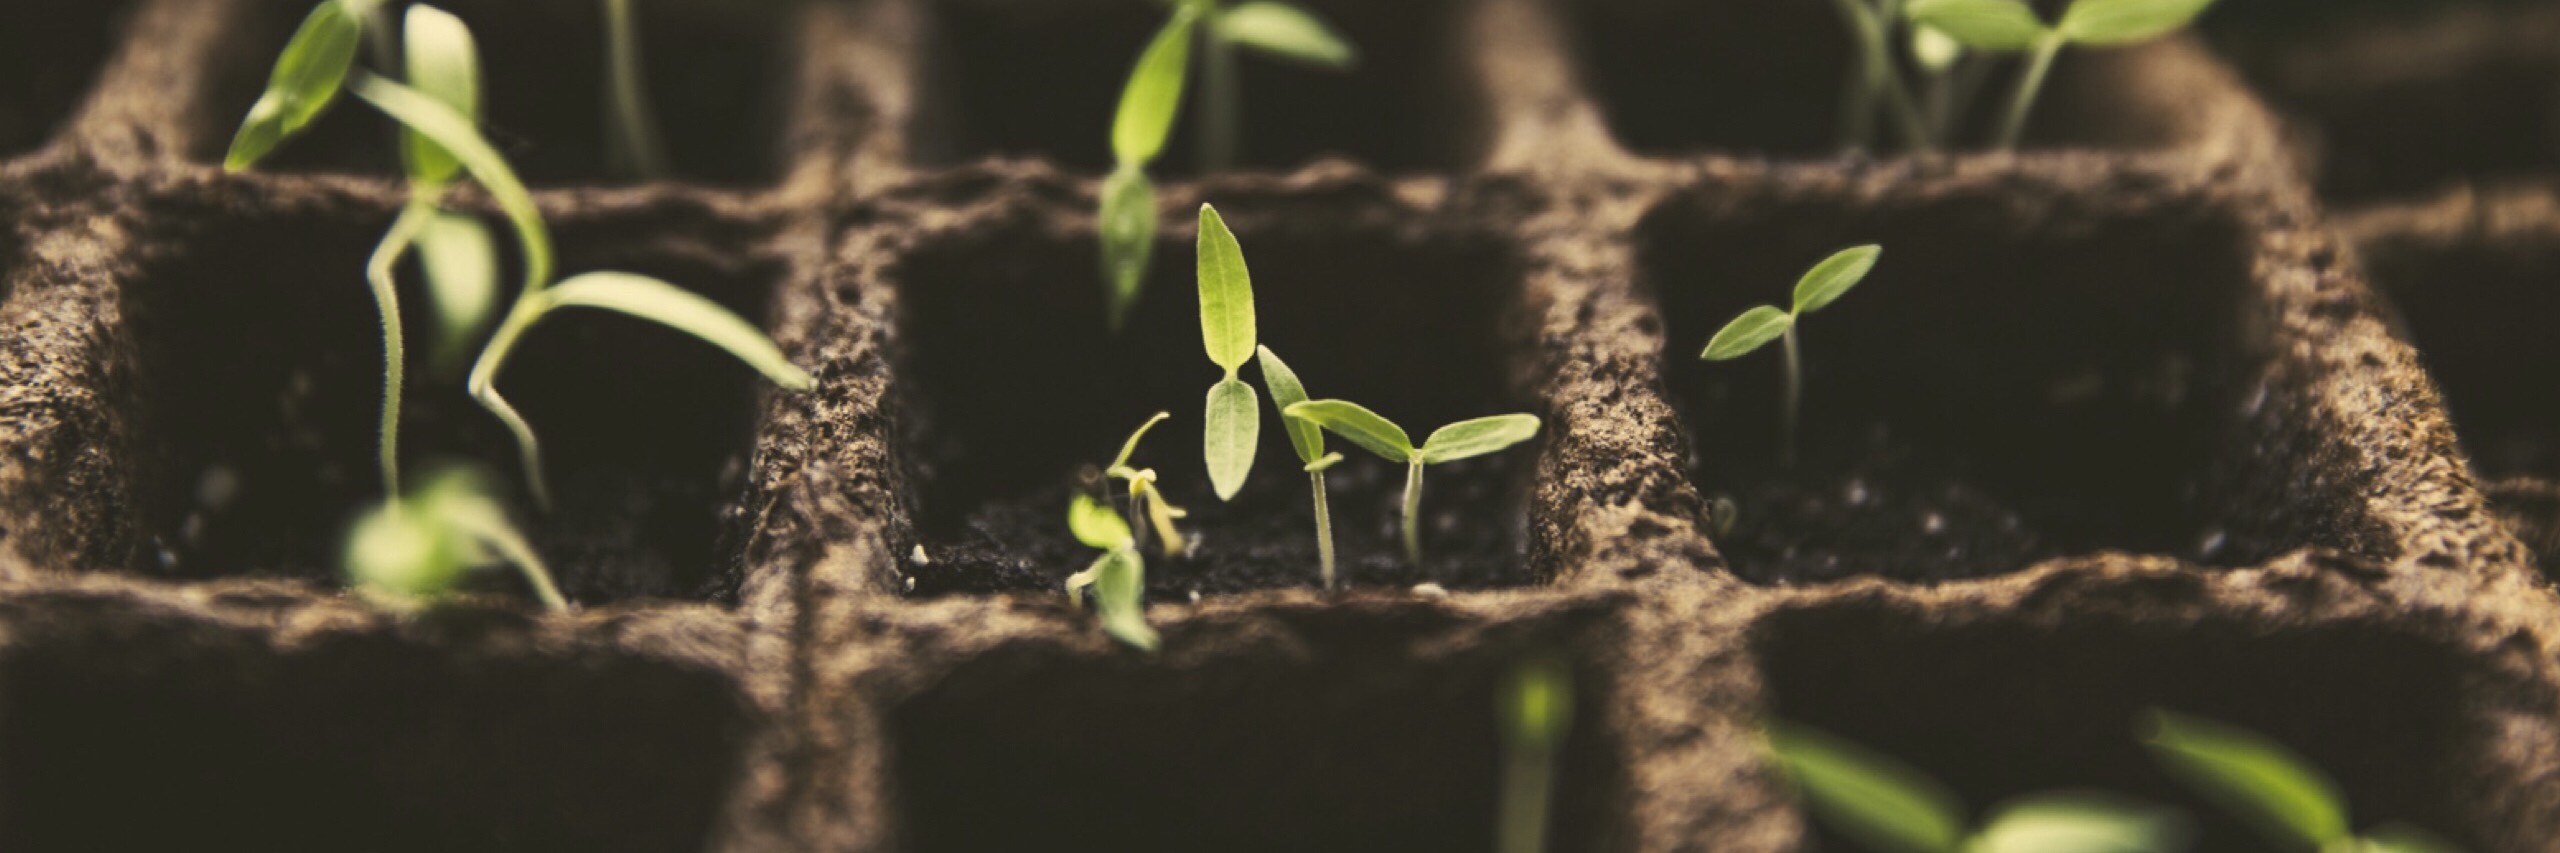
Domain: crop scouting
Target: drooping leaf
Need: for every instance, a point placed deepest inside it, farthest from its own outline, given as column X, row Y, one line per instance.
column 306, row 80
column 2107, row 22
column 1233, row 433
column 1154, row 92
column 1286, row 391
column 1829, row 280
column 1875, row 800
column 2262, row 782
column 458, row 136
column 2081, row 823
column 682, row 310
column 2406, row 839
column 1472, row 438
column 1128, row 228
column 1096, row 525
column 1748, row 333
column 467, row 504
column 1324, row 463
column 1537, row 701
column 444, row 64
column 1120, row 594
column 461, row 263
column 1285, row 31
column 1226, row 294
column 1994, row 25
column 1357, row 425
column 1130, row 448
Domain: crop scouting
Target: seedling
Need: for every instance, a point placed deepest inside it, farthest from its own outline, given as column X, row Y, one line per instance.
column 1820, row 286
column 1308, row 440
column 414, row 548
column 1233, row 430
column 1888, row 807
column 2011, row 26
column 1874, row 80
column 1118, row 578
column 1148, row 104
column 631, row 125
column 2269, row 787
column 1146, row 501
column 1461, row 440
column 1537, row 711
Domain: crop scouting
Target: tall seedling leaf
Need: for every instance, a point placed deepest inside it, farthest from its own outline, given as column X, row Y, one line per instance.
column 1356, row 424
column 1154, row 93
column 684, row 311
column 1284, row 31
column 1128, row 226
column 1881, row 802
column 2112, row 22
column 1233, row 434
column 457, row 134
column 306, row 80
column 1305, row 438
column 444, row 64
column 1234, row 426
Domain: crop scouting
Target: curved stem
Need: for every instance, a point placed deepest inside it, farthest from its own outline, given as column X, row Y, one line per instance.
column 1324, row 528
column 635, row 130
column 1791, row 408
column 1413, row 512
column 515, row 549
column 2015, row 124
column 483, row 386
column 386, row 300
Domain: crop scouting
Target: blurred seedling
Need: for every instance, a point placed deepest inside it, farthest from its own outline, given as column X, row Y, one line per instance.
column 1146, row 501
column 1462, row 440
column 2276, row 792
column 632, row 126
column 1308, row 440
column 1755, row 328
column 1536, row 705
column 1118, row 578
column 1885, row 806
column 414, row 548
column 2011, row 26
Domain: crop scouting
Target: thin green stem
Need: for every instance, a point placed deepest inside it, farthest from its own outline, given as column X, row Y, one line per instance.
column 635, row 130
column 1858, row 106
column 2015, row 124
column 1221, row 107
column 516, row 550
column 1528, row 783
column 1324, row 528
column 1882, row 77
column 1791, row 408
column 483, row 386
column 386, row 301
column 1413, row 511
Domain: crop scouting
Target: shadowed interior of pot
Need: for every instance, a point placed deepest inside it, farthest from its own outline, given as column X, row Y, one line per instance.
column 2479, row 313
column 1997, row 709
column 1370, row 734
column 258, row 351
column 2006, row 386
column 1393, row 110
column 1016, row 383
column 717, row 75
column 131, row 733
column 49, row 52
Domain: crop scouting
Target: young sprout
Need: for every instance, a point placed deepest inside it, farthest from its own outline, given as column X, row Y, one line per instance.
column 1308, row 440
column 2011, row 26
column 1461, row 440
column 1118, row 578
column 633, row 129
column 1888, row 807
column 413, row 548
column 1146, row 501
column 2268, row 787
column 1233, row 430
column 1819, row 287
column 1874, row 80
column 1537, row 711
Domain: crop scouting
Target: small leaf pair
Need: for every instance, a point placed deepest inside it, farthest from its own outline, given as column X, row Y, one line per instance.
column 2011, row 26
column 1755, row 328
column 414, row 548
column 1308, row 440
column 1118, row 578
column 1376, row 434
column 1888, row 807
column 2269, row 787
column 1146, row 500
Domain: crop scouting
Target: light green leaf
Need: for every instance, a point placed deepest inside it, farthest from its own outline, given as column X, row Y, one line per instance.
column 1096, row 525
column 2107, row 22
column 1827, row 281
column 2265, row 784
column 305, row 81
column 461, row 262
column 458, row 136
column 1995, row 25
column 2081, row 823
column 1285, row 31
column 1324, row 464
column 1879, row 802
column 1130, row 448
column 1747, row 333
column 444, row 64
column 1128, row 229
column 1468, row 439
column 1120, row 593
column 466, row 503
column 400, row 553
column 682, row 310
column 1154, row 93
column 2406, row 839
column 1226, row 294
column 1233, row 433
column 1357, row 425
column 1286, row 391
column 1934, row 50
column 1537, row 701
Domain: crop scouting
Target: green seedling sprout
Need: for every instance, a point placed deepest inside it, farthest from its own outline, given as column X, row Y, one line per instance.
column 1118, row 578
column 413, row 548
column 2010, row 26
column 1153, row 97
column 445, row 142
column 1886, row 806
column 1819, row 287
column 1537, row 711
column 2268, row 787
column 1461, row 440
column 1233, row 429
column 633, row 128
column 1308, row 440
column 1874, row 80
column 1146, row 500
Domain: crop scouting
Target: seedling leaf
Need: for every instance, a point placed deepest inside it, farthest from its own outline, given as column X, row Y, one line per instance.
column 1154, row 92
column 397, row 552
column 1097, row 525
column 305, row 81
column 1119, row 591
column 1876, row 800
column 1285, row 31
column 1747, row 333
column 1234, row 432
column 1359, row 426
column 2264, row 783
column 1128, row 228
column 455, row 132
column 1324, row 464
column 1226, row 294
column 1996, row 25
column 1130, row 448
column 461, row 262
column 682, row 310
column 444, row 64
column 2080, row 823
column 1934, row 50
column 1286, row 391
column 1469, row 439
column 1832, row 278
column 2110, row 22
column 2406, row 839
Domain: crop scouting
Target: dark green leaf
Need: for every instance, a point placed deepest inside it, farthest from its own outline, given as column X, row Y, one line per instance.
column 682, row 310
column 1154, row 93
column 1233, row 433
column 1285, row 31
column 1357, row 425
column 1994, row 25
column 1748, row 333
column 1875, row 800
column 1827, row 281
column 1226, row 294
column 306, row 80
column 444, row 64
column 1467, row 439
column 1128, row 227
column 1286, row 391
column 2107, row 22
column 2253, row 777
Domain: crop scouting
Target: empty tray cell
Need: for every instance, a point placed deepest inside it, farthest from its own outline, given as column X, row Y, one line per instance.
column 1356, row 733
column 50, row 53
column 718, row 74
column 2013, row 383
column 1016, row 385
column 258, row 355
column 2402, row 101
column 143, row 732
column 1997, row 707
column 1043, row 80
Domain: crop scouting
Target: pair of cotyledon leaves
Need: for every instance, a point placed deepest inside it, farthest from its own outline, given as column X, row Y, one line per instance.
column 1820, row 286
column 2011, row 25
column 1118, row 577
